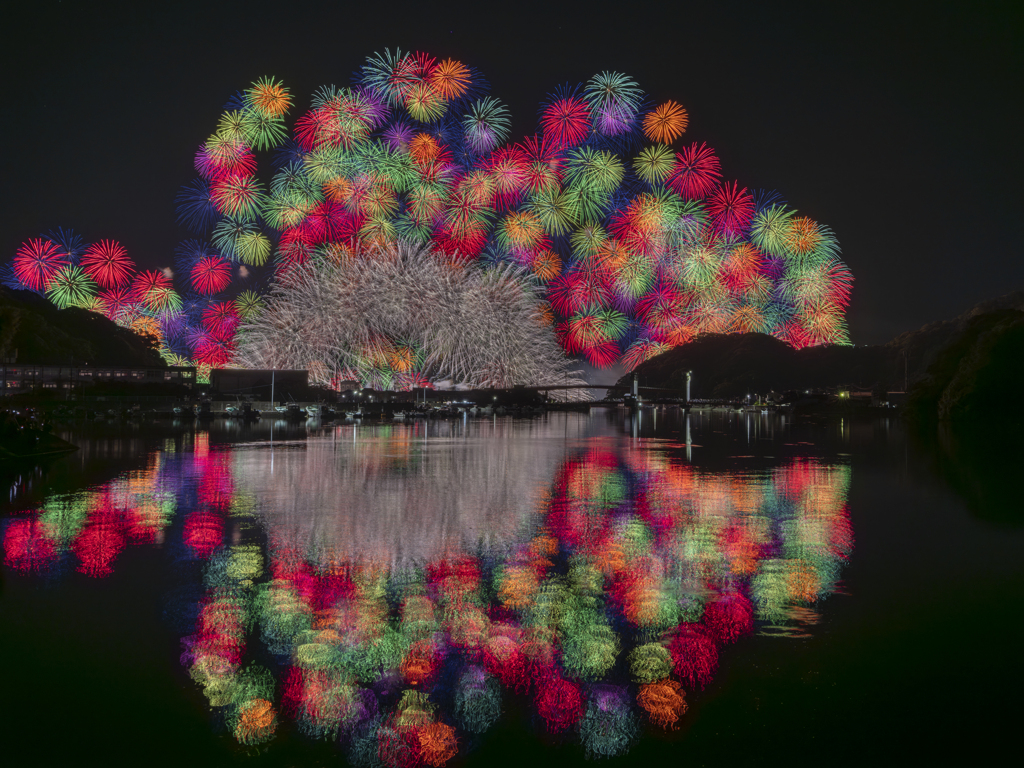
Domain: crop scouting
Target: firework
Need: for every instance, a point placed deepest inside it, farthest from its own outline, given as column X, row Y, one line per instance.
column 597, row 205
column 70, row 287
column 695, row 172
column 565, row 121
column 486, row 125
column 37, row 262
column 614, row 100
column 666, row 123
column 471, row 325
column 108, row 264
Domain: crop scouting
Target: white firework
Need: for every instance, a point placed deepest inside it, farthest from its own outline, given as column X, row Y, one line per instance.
column 405, row 313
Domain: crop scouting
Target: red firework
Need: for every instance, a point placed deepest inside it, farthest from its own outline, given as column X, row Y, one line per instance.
column 463, row 245
column 566, row 122
column 211, row 274
column 213, row 351
column 840, row 283
column 296, row 247
column 662, row 302
column 731, row 210
column 695, row 172
column 148, row 282
column 118, row 301
column 694, row 656
column 602, row 355
column 543, row 162
column 576, row 291
column 108, row 264
column 221, row 319
column 37, row 261
column 330, row 222
column 795, row 335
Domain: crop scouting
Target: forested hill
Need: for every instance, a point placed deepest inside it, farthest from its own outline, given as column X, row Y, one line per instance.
column 37, row 332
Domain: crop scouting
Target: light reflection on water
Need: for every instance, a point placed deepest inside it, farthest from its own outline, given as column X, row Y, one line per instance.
column 395, row 587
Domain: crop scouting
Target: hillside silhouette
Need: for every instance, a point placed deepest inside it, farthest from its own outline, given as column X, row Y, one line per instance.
column 951, row 366
column 36, row 332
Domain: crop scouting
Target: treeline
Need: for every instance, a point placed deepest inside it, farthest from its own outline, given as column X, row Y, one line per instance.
column 35, row 331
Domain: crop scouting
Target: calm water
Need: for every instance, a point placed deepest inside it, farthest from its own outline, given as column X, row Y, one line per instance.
column 722, row 590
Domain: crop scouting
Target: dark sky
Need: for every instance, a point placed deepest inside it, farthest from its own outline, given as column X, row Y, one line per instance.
column 898, row 126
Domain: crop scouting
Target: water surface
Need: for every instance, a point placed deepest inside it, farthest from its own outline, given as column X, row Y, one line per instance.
column 727, row 589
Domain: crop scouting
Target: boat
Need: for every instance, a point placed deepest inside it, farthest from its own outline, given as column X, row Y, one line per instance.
column 399, row 416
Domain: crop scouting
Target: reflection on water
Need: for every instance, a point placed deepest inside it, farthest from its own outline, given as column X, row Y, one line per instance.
column 396, row 588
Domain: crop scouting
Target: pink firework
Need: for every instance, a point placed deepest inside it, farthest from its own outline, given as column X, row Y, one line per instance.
column 225, row 158
column 37, row 261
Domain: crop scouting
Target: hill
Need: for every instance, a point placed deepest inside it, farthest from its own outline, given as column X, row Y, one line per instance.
column 734, row 365
column 37, row 332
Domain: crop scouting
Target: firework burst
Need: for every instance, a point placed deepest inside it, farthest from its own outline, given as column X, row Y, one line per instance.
column 471, row 325
column 597, row 208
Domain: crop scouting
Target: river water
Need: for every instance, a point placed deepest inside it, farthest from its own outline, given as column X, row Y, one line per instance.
column 717, row 588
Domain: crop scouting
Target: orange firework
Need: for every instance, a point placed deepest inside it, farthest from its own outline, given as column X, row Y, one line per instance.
column 269, row 97
column 338, row 189
column 450, row 79
column 521, row 230
column 666, row 123
column 663, row 702
column 546, row 265
column 257, row 722
column 438, row 743
column 545, row 315
column 804, row 235
column 423, row 148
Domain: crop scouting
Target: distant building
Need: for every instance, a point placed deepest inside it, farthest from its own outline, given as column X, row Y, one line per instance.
column 22, row 377
column 256, row 384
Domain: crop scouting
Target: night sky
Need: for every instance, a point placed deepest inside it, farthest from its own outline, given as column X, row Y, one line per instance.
column 898, row 126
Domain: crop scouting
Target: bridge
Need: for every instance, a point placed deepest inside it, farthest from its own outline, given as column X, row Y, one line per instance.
column 624, row 387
